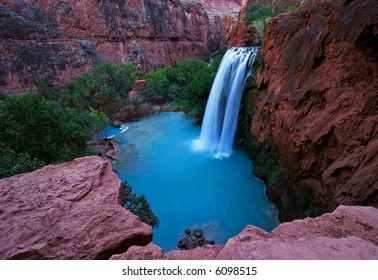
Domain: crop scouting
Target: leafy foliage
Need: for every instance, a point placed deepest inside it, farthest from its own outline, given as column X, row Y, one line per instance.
column 35, row 132
column 12, row 163
column 188, row 84
column 139, row 206
column 259, row 14
column 103, row 90
column 158, row 87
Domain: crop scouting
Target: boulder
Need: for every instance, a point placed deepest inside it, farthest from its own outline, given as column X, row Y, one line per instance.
column 67, row 211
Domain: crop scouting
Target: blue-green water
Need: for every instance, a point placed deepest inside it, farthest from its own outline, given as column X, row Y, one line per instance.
column 186, row 188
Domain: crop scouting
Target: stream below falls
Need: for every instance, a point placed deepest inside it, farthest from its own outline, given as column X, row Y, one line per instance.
column 187, row 188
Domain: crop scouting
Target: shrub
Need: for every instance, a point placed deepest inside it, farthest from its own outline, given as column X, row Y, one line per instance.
column 12, row 163
column 157, row 89
column 104, row 90
column 259, row 14
column 197, row 92
column 139, row 206
column 35, row 132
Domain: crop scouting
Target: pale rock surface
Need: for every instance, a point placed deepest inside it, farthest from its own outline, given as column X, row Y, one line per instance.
column 67, row 211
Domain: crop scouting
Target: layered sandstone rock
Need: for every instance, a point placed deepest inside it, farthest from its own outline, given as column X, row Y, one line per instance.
column 59, row 40
column 220, row 8
column 67, row 211
column 318, row 108
column 243, row 35
column 350, row 232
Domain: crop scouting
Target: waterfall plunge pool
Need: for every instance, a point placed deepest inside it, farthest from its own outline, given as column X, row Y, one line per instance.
column 187, row 188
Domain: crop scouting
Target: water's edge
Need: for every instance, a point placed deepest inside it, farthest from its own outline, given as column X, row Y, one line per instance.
column 190, row 189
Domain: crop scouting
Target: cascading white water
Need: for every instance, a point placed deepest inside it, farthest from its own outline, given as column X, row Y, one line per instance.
column 222, row 109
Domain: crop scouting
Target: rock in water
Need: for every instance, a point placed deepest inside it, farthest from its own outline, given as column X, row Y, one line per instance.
column 192, row 241
column 67, row 211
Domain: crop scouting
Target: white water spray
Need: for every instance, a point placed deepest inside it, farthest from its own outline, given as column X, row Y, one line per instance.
column 222, row 109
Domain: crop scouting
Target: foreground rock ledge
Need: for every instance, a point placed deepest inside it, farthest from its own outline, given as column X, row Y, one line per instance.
column 349, row 233
column 67, row 211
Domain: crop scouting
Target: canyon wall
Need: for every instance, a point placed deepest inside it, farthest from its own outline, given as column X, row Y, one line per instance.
column 59, row 40
column 317, row 106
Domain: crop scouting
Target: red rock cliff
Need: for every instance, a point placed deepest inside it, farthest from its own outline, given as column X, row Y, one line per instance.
column 58, row 40
column 318, row 108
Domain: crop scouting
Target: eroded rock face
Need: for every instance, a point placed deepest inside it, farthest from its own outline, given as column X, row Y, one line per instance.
column 350, row 232
column 319, row 92
column 220, row 8
column 244, row 35
column 57, row 41
column 67, row 211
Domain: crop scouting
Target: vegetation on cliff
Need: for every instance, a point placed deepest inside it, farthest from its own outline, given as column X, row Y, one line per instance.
column 139, row 206
column 35, row 132
column 259, row 14
column 277, row 171
column 188, row 85
column 105, row 89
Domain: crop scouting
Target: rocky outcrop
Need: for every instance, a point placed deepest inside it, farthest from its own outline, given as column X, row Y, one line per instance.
column 318, row 105
column 243, row 35
column 67, row 211
column 350, row 232
column 221, row 8
column 57, row 41
column 137, row 89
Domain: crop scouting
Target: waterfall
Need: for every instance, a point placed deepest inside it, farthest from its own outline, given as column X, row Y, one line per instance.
column 222, row 109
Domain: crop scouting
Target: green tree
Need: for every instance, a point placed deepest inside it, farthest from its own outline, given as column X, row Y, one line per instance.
column 198, row 90
column 34, row 132
column 12, row 163
column 259, row 14
column 105, row 90
column 157, row 89
column 139, row 206
column 99, row 120
column 186, row 70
